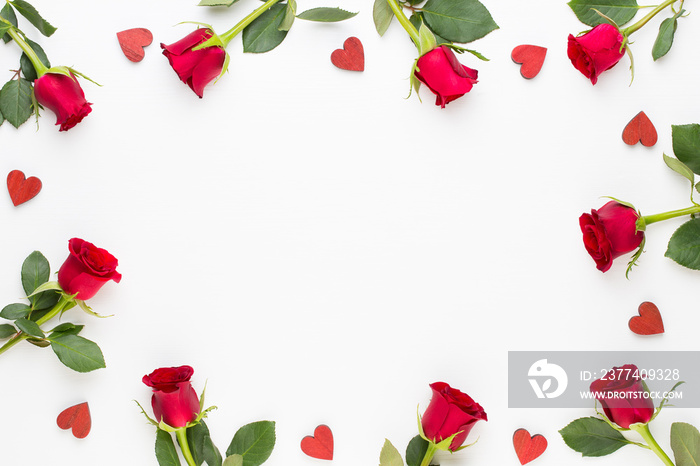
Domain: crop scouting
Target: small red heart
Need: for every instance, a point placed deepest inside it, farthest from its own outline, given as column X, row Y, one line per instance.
column 531, row 57
column 648, row 322
column 77, row 417
column 320, row 445
column 528, row 448
column 133, row 41
column 351, row 57
column 640, row 128
column 22, row 189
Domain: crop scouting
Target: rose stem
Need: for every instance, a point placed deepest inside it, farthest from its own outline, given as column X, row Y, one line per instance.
column 40, row 68
column 430, row 452
column 403, row 20
column 629, row 30
column 181, row 435
column 648, row 219
column 643, row 430
column 234, row 31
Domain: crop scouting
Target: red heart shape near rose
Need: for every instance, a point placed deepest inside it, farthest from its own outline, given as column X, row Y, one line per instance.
column 526, row 447
column 76, row 417
column 351, row 57
column 320, row 445
column 531, row 57
column 22, row 189
column 640, row 129
column 133, row 41
column 648, row 322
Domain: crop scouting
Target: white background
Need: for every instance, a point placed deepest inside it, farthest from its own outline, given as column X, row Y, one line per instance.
column 320, row 249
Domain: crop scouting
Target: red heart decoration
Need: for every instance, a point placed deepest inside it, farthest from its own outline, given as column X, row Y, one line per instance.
column 351, row 57
column 531, row 57
column 22, row 189
column 640, row 128
column 528, row 448
column 320, row 445
column 648, row 322
column 77, row 417
column 133, row 41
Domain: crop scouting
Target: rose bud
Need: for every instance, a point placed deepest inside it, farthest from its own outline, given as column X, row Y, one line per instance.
column 596, row 51
column 196, row 68
column 86, row 269
column 62, row 95
column 610, row 232
column 174, row 400
column 440, row 70
column 623, row 396
column 450, row 412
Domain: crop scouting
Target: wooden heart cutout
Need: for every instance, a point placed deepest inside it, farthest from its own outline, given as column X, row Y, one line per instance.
column 351, row 57
column 76, row 417
column 133, row 42
column 640, row 128
column 320, row 445
column 526, row 447
column 648, row 322
column 22, row 189
column 531, row 57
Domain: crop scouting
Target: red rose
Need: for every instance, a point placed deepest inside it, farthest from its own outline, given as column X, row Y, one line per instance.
column 450, row 412
column 440, row 70
column 196, row 68
column 62, row 95
column 610, row 232
column 174, row 400
column 623, row 396
column 596, row 51
column 86, row 269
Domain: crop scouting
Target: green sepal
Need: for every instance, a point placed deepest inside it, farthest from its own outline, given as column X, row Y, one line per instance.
column 426, row 40
column 665, row 401
column 460, row 50
column 638, row 253
column 444, row 445
column 467, row 445
column 150, row 419
column 46, row 286
column 88, row 310
column 420, row 425
column 84, row 76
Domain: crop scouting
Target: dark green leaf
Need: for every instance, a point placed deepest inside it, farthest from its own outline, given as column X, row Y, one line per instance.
column 29, row 327
column 6, row 331
column 8, row 13
column 664, row 40
column 166, row 454
column 217, row 2
column 390, row 456
column 326, row 15
column 686, row 145
column 263, row 34
column 415, row 451
column 15, row 311
column 620, row 11
column 591, row 436
column 289, row 16
column 78, row 353
column 458, row 20
column 16, row 101
column 685, row 442
column 417, row 19
column 684, row 245
column 27, row 68
column 33, row 16
column 45, row 300
column 201, row 445
column 254, row 442
column 35, row 272
column 382, row 15
column 66, row 329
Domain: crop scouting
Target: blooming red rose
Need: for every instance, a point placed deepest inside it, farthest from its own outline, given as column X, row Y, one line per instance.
column 623, row 396
column 440, row 70
column 596, row 51
column 450, row 412
column 196, row 68
column 62, row 95
column 174, row 400
column 86, row 269
column 610, row 232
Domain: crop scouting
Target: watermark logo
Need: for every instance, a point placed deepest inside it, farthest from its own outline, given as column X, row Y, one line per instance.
column 546, row 373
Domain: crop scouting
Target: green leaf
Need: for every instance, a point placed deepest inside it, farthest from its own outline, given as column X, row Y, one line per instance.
column 16, row 101
column 40, row 342
column 36, row 272
column 415, row 451
column 684, row 245
column 680, row 168
column 620, row 11
column 26, row 65
column 78, row 353
column 591, row 436
column 263, row 34
column 664, row 40
column 8, row 13
column 33, row 16
column 166, row 454
column 217, row 2
column 289, row 15
column 685, row 442
column 15, row 311
column 254, row 442
column 66, row 329
column 326, row 15
column 382, row 15
column 686, row 145
column 201, row 445
column 389, row 455
column 233, row 460
column 29, row 327
column 6, row 331
column 458, row 20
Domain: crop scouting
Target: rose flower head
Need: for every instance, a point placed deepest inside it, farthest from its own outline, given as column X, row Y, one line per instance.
column 596, row 51
column 62, row 95
column 446, row 77
column 86, row 269
column 624, row 397
column 174, row 400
